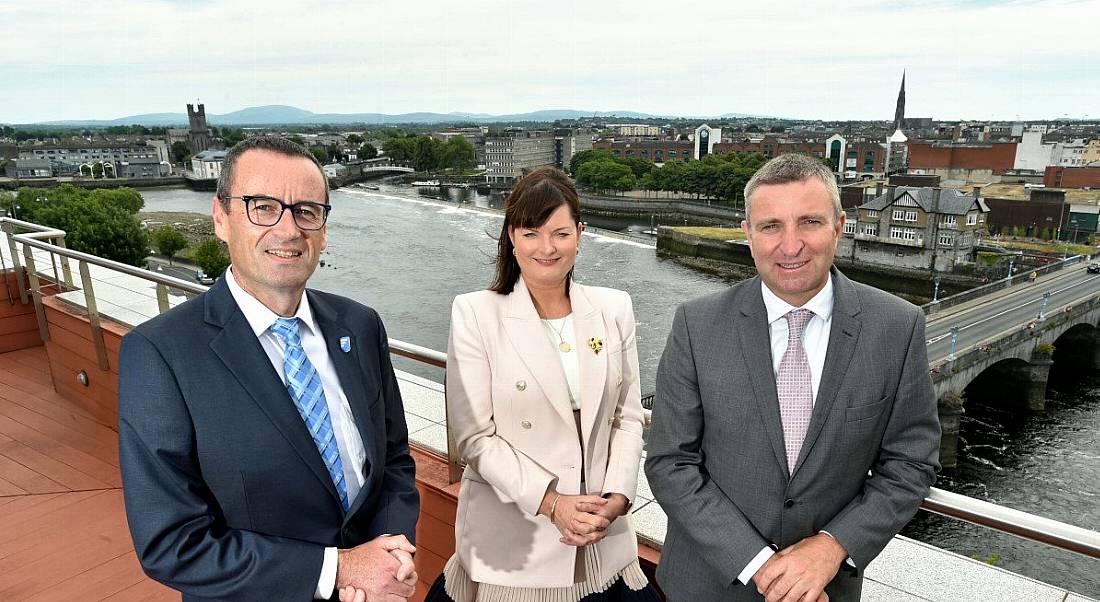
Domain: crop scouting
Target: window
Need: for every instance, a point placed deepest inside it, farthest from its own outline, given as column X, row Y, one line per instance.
column 910, row 216
column 947, row 238
column 870, row 229
column 950, row 220
column 872, row 214
column 971, row 219
column 900, row 233
column 849, row 227
column 899, row 215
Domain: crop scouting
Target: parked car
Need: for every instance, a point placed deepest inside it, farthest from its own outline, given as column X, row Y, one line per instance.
column 202, row 278
column 1094, row 268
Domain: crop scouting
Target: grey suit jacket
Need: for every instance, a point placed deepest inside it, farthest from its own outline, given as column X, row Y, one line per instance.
column 716, row 460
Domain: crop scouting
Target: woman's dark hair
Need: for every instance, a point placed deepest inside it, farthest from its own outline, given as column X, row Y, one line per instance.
column 535, row 197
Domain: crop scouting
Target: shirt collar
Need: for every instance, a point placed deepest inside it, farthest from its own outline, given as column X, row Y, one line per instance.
column 259, row 317
column 820, row 304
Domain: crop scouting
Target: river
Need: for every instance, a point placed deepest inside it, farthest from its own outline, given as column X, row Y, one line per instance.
column 407, row 255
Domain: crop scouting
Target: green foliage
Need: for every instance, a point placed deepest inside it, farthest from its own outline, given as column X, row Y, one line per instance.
column 232, row 136
column 606, row 175
column 993, row 559
column 595, row 154
column 168, row 241
column 97, row 170
column 1046, row 234
column 321, row 153
column 100, row 222
column 211, row 256
column 640, row 167
column 430, row 154
column 988, row 258
column 367, row 151
column 180, row 152
column 355, row 139
column 297, row 140
column 1043, row 350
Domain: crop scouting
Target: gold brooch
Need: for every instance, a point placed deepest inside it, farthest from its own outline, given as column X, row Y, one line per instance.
column 596, row 345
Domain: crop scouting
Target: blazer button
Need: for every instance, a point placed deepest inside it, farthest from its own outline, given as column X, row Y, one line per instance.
column 525, row 424
column 788, row 503
column 521, row 385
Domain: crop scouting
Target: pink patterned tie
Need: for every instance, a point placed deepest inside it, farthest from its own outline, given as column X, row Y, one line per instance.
column 793, row 384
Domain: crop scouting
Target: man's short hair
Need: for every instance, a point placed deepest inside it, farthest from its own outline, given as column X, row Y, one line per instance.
column 275, row 144
column 793, row 167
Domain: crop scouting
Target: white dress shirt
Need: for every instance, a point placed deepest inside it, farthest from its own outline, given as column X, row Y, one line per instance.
column 352, row 453
column 815, row 340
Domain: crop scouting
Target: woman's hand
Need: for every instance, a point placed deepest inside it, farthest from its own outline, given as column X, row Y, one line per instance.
column 614, row 508
column 578, row 527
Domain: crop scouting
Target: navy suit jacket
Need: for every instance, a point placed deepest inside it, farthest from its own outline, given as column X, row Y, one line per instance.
column 226, row 494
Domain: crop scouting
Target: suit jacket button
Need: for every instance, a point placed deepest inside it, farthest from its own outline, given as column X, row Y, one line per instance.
column 788, row 503
column 521, row 385
column 525, row 424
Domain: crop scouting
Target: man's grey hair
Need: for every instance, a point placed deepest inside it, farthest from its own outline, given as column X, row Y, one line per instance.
column 275, row 144
column 793, row 167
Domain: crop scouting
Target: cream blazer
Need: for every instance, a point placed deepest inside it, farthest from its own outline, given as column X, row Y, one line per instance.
column 508, row 408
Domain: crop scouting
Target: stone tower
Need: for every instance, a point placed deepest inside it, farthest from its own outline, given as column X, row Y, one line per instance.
column 198, row 135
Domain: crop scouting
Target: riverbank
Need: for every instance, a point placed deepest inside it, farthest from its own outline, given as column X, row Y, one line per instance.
column 663, row 209
column 138, row 183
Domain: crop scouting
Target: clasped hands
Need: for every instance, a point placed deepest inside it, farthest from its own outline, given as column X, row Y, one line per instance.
column 801, row 572
column 582, row 519
column 380, row 570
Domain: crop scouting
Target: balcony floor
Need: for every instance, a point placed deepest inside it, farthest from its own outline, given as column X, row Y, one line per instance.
column 63, row 532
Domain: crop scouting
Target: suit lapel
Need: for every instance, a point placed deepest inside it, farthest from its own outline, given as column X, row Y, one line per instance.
column 756, row 352
column 589, row 324
column 241, row 352
column 528, row 337
column 358, row 391
column 843, row 336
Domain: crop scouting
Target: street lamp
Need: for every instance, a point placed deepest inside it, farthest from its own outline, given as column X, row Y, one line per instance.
column 1011, row 260
column 936, row 290
column 954, row 343
column 1043, row 307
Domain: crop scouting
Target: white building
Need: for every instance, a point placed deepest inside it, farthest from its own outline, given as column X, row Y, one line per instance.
column 207, row 165
column 705, row 139
column 1032, row 153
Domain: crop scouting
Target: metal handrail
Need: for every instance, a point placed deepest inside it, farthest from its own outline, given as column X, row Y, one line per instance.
column 984, row 514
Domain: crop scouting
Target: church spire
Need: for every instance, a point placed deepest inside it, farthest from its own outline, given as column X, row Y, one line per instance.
column 899, row 112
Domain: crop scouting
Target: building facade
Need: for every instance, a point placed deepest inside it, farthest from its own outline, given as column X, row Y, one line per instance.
column 962, row 162
column 72, row 159
column 207, row 165
column 517, row 152
column 658, row 151
column 771, row 146
column 568, row 142
column 1072, row 177
column 919, row 228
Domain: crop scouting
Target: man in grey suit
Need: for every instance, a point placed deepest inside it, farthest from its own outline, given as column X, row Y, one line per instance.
column 794, row 429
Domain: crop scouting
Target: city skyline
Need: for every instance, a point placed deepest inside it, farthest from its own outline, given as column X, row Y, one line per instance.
column 964, row 59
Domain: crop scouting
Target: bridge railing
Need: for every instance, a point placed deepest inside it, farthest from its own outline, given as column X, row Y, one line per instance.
column 38, row 252
column 981, row 291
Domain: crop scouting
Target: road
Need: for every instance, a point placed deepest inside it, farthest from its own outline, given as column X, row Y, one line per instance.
column 1003, row 312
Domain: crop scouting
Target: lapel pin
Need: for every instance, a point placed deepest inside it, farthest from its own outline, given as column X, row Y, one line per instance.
column 345, row 344
column 596, row 345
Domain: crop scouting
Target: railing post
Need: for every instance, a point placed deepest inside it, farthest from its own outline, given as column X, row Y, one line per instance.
column 454, row 462
column 8, row 228
column 36, row 293
column 66, row 271
column 93, row 317
column 162, row 297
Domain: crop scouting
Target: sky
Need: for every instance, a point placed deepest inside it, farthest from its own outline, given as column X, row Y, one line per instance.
column 842, row 59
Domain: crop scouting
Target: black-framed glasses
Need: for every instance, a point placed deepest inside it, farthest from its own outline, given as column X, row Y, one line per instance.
column 266, row 211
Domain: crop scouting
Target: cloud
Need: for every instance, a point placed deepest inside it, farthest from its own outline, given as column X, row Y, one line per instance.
column 839, row 60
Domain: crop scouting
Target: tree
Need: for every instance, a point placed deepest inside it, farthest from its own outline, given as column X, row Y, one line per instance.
column 321, row 153
column 399, row 149
column 95, row 227
column 211, row 257
column 355, row 139
column 231, row 137
column 640, row 167
column 180, row 152
column 606, row 175
column 594, row 154
column 124, row 198
column 458, row 153
column 367, row 151
column 97, row 170
column 168, row 241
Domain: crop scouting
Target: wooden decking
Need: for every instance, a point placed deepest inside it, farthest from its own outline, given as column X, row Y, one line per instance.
column 63, row 532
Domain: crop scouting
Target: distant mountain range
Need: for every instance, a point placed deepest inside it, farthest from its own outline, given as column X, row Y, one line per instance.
column 286, row 115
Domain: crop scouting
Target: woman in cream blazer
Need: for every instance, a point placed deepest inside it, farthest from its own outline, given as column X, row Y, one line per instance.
column 544, row 403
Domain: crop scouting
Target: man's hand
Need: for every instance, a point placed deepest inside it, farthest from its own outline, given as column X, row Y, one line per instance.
column 374, row 570
column 801, row 572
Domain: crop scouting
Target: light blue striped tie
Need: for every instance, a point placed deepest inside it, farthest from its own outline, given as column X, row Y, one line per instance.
column 305, row 388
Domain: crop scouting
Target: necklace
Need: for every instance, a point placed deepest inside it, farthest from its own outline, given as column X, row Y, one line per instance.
column 562, row 344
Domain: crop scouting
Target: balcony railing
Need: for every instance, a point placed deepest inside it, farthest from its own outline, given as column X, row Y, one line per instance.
column 45, row 259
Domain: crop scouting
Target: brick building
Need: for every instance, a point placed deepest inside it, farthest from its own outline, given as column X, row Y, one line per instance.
column 1072, row 177
column 658, row 151
column 966, row 162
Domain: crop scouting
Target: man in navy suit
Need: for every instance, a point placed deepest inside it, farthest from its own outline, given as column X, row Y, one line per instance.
column 262, row 438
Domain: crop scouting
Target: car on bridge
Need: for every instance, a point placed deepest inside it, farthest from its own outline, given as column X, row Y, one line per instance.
column 1094, row 268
